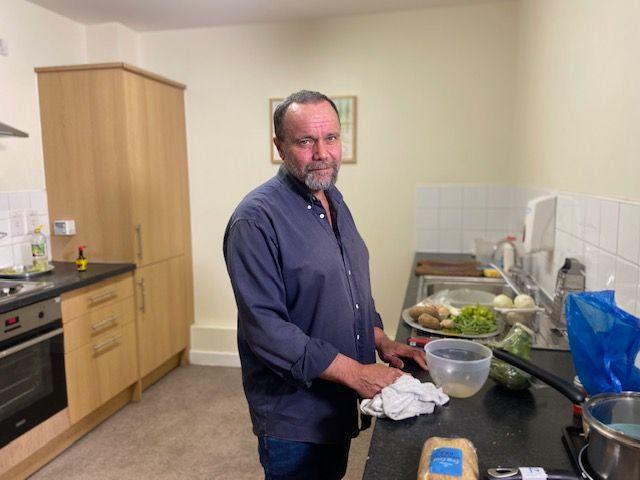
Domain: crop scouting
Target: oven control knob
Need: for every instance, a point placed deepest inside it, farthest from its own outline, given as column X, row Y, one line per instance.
column 40, row 314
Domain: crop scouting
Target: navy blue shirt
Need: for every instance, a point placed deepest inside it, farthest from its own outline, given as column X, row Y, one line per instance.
column 303, row 293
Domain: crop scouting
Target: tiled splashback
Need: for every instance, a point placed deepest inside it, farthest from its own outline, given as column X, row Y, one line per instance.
column 20, row 213
column 603, row 233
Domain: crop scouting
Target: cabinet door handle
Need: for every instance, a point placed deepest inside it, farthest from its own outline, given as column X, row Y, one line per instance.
column 101, row 297
column 143, row 301
column 108, row 342
column 139, row 235
column 104, row 323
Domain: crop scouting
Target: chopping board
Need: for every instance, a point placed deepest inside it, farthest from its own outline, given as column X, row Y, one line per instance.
column 464, row 268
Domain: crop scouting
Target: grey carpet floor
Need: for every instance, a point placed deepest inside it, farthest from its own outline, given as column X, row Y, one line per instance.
column 194, row 423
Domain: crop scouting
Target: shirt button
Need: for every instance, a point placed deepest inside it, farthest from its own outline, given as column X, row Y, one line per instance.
column 349, row 272
column 308, row 207
column 322, row 215
column 357, row 307
column 357, row 337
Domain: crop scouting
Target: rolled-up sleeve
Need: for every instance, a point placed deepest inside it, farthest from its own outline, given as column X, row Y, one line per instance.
column 251, row 254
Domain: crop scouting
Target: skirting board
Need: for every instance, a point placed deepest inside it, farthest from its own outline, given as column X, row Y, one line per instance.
column 215, row 359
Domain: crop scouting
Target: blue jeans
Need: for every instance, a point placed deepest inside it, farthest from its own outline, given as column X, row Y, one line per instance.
column 291, row 460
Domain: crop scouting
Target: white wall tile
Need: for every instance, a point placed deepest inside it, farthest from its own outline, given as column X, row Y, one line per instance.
column 19, row 201
column 426, row 218
column 450, row 241
column 606, row 271
column 450, row 219
column 498, row 196
column 637, row 314
column 474, row 196
column 450, row 196
column 580, row 215
column 5, row 229
column 629, row 232
column 591, row 254
column 496, row 235
column 609, row 225
column 517, row 221
column 4, row 202
column 474, row 219
column 626, row 285
column 6, row 256
column 592, row 221
column 498, row 218
column 427, row 196
column 38, row 201
column 468, row 239
column 427, row 241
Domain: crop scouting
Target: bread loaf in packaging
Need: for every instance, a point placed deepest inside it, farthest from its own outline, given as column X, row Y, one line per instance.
column 448, row 459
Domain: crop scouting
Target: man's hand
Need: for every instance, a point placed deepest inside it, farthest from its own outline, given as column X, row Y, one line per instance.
column 393, row 352
column 366, row 380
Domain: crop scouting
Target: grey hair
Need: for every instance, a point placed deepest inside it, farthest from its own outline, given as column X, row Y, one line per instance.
column 303, row 96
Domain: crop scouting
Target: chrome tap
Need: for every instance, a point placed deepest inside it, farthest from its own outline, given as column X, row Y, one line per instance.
column 571, row 278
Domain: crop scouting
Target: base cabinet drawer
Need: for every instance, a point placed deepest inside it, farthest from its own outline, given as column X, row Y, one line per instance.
column 101, row 369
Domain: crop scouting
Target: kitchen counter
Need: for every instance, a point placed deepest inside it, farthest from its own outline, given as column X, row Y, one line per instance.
column 62, row 279
column 508, row 429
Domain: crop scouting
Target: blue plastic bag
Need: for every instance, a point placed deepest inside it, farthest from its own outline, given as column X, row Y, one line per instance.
column 605, row 342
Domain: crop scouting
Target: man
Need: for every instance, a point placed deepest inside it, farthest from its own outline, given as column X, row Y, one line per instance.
column 308, row 329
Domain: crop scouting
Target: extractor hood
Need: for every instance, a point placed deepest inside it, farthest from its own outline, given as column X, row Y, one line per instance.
column 7, row 131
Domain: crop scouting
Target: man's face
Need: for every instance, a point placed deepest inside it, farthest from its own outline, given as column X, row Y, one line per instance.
column 311, row 149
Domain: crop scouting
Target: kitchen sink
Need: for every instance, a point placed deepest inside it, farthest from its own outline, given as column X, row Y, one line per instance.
column 548, row 335
column 428, row 285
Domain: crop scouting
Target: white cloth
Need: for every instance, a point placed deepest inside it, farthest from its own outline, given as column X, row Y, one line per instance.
column 404, row 398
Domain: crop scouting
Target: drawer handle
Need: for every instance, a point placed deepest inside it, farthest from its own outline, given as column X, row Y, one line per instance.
column 108, row 342
column 101, row 297
column 139, row 236
column 104, row 323
column 143, row 300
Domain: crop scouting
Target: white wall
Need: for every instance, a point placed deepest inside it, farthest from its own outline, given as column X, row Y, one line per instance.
column 112, row 42
column 36, row 38
column 434, row 91
column 578, row 96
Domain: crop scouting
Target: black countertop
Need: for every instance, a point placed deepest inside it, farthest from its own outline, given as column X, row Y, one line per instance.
column 65, row 278
column 509, row 429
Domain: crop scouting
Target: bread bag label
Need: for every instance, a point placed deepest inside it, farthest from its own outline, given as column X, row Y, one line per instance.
column 446, row 461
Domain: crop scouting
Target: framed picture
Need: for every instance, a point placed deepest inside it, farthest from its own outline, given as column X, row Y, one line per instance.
column 347, row 109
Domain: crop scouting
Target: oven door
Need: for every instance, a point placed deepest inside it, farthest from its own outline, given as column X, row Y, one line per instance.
column 32, row 380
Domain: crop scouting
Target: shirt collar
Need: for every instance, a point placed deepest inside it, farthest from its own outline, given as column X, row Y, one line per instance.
column 301, row 189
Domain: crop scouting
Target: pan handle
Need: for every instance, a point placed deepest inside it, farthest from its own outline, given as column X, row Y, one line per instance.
column 560, row 384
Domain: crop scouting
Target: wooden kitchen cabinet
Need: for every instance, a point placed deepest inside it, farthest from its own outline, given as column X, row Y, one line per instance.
column 162, row 301
column 115, row 160
column 101, row 357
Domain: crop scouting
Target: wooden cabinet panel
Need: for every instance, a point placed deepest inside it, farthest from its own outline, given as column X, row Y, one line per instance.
column 157, row 153
column 86, row 161
column 88, row 299
column 99, row 370
column 162, row 312
column 108, row 318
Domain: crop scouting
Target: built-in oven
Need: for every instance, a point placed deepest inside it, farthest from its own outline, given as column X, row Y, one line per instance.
column 32, row 378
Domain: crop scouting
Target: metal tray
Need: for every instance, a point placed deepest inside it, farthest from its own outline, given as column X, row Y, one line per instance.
column 5, row 273
column 409, row 321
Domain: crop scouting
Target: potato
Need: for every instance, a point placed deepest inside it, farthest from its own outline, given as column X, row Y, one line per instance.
column 447, row 323
column 443, row 312
column 429, row 321
column 416, row 311
column 431, row 310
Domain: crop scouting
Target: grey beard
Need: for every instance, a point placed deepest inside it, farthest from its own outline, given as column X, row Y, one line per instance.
column 307, row 177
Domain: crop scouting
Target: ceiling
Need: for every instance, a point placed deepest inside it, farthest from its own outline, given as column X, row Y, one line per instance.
column 148, row 15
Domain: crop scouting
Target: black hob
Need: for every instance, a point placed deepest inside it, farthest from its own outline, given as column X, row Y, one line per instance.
column 576, row 444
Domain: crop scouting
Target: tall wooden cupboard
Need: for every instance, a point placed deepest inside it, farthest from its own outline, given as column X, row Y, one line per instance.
column 116, row 162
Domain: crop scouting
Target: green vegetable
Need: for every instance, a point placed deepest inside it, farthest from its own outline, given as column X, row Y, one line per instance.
column 517, row 341
column 474, row 320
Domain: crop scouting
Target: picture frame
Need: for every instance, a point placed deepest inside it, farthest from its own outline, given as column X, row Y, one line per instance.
column 347, row 106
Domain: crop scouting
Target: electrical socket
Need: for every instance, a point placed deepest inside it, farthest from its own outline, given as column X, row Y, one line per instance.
column 4, row 47
column 18, row 224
